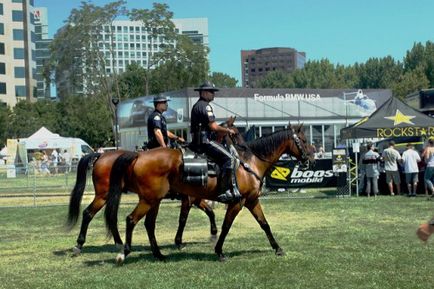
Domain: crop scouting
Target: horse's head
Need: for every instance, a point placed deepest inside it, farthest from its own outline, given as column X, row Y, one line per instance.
column 304, row 152
column 235, row 139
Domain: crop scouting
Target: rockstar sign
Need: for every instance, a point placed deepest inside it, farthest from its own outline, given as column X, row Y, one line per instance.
column 400, row 118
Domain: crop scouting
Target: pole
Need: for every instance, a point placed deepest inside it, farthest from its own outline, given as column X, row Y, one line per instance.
column 115, row 101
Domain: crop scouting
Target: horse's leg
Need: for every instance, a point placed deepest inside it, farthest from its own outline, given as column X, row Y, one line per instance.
column 203, row 205
column 231, row 212
column 151, row 217
column 256, row 210
column 183, row 216
column 88, row 215
column 132, row 219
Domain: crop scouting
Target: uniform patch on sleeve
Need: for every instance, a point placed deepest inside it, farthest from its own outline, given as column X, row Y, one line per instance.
column 210, row 113
column 157, row 117
column 208, row 108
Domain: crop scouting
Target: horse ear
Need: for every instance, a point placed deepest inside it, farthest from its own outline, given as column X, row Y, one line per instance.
column 289, row 124
column 301, row 128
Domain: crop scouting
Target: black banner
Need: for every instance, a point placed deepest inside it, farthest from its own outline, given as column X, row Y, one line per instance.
column 285, row 174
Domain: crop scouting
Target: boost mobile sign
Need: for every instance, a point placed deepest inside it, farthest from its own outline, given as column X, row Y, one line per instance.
column 287, row 174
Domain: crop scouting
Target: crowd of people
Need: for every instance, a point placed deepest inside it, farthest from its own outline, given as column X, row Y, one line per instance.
column 391, row 162
column 52, row 162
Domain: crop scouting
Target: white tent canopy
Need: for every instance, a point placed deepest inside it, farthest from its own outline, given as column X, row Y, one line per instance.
column 45, row 139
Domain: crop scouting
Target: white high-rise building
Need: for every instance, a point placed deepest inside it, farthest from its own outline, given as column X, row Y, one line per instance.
column 17, row 51
column 133, row 44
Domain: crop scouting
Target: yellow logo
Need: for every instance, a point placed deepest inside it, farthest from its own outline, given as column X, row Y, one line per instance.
column 280, row 173
column 399, row 117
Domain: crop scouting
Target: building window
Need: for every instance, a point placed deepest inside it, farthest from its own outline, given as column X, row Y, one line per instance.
column 1, row 8
column 20, row 72
column 17, row 1
column 2, row 68
column 2, row 29
column 17, row 15
column 20, row 90
column 2, row 48
column 2, row 88
column 18, row 34
column 18, row 53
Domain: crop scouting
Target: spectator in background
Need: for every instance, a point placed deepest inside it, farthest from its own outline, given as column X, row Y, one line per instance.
column 67, row 160
column 428, row 156
column 362, row 168
column 391, row 158
column 371, row 160
column 45, row 164
column 410, row 158
column 55, row 160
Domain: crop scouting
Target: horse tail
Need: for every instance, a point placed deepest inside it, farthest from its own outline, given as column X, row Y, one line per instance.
column 78, row 190
column 117, row 174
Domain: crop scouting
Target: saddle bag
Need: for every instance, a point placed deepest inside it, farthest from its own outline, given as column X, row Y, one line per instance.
column 195, row 169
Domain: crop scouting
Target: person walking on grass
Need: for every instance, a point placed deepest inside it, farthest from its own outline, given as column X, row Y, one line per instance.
column 410, row 158
column 371, row 160
column 391, row 158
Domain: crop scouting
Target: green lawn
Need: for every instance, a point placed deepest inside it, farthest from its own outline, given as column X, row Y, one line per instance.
column 329, row 243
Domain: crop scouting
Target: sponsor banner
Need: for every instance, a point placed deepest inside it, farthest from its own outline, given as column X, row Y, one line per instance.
column 285, row 174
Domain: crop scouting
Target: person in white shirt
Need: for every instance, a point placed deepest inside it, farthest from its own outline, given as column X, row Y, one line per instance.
column 410, row 158
column 391, row 157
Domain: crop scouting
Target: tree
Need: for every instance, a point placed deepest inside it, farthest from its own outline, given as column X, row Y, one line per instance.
column 26, row 118
column 276, row 79
column 4, row 120
column 131, row 81
column 378, row 72
column 159, row 25
column 222, row 80
column 421, row 57
column 184, row 65
column 316, row 74
column 411, row 81
column 91, row 122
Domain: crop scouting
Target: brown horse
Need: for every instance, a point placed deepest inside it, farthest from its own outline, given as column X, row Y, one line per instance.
column 102, row 165
column 153, row 175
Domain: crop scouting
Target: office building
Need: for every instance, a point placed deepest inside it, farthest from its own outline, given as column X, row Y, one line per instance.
column 255, row 64
column 42, row 51
column 132, row 43
column 17, row 51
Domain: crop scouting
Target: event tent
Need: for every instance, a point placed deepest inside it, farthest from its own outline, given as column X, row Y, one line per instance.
column 392, row 119
column 45, row 139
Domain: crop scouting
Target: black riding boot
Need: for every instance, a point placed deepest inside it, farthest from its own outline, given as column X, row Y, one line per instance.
column 229, row 188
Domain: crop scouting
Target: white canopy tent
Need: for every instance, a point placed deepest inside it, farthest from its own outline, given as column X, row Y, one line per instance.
column 45, row 139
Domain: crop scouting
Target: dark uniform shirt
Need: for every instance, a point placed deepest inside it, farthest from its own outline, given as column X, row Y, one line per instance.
column 202, row 115
column 156, row 120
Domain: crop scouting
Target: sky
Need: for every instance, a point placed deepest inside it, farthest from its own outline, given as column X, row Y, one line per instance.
column 343, row 31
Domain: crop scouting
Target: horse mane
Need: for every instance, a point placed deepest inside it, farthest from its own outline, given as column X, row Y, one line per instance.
column 264, row 146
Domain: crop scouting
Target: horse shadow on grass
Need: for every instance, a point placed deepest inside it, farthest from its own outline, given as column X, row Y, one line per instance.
column 179, row 256
column 111, row 248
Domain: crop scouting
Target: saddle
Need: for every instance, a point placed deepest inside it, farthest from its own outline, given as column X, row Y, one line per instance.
column 197, row 167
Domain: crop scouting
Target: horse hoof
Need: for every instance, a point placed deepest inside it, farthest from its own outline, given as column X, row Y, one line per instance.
column 222, row 258
column 76, row 251
column 213, row 238
column 120, row 258
column 180, row 246
column 279, row 252
column 161, row 257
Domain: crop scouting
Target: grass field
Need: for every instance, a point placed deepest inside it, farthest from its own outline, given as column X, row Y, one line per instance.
column 329, row 243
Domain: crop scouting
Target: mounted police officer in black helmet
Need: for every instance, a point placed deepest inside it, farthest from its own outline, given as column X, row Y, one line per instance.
column 158, row 135
column 203, row 129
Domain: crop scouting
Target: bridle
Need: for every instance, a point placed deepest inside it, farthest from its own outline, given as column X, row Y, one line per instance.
column 304, row 156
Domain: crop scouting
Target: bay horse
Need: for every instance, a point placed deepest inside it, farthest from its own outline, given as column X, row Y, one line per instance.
column 153, row 175
column 102, row 166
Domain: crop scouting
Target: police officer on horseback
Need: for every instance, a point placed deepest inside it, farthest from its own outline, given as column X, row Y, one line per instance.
column 158, row 135
column 204, row 129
